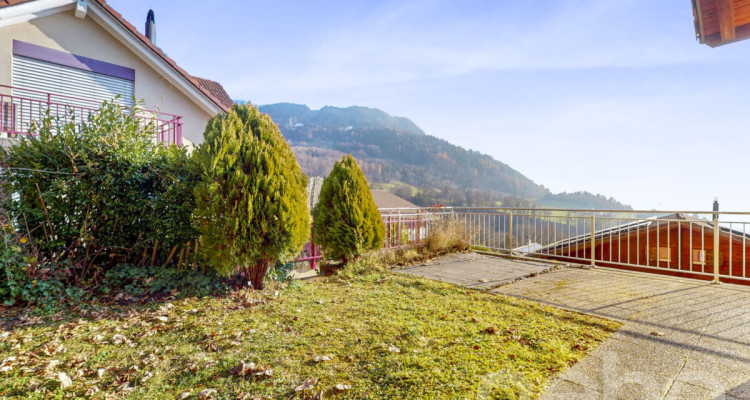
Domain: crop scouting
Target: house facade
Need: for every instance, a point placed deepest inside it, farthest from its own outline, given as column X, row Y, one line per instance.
column 68, row 56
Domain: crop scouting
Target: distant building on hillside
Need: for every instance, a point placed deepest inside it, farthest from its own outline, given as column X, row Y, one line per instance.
column 314, row 183
column 383, row 198
column 386, row 199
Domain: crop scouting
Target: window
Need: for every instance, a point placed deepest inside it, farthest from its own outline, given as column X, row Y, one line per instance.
column 710, row 257
column 662, row 254
column 699, row 256
column 85, row 88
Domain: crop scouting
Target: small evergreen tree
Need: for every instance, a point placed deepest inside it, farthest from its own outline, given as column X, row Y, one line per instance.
column 346, row 220
column 251, row 203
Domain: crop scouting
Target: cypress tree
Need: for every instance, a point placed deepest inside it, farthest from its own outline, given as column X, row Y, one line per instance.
column 346, row 220
column 251, row 203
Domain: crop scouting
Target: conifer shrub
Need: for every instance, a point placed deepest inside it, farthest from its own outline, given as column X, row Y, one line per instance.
column 347, row 222
column 251, row 200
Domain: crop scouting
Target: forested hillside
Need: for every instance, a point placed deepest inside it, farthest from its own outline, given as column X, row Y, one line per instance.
column 328, row 117
column 395, row 152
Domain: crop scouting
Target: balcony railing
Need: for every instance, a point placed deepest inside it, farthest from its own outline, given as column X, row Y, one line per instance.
column 20, row 108
column 695, row 244
column 709, row 245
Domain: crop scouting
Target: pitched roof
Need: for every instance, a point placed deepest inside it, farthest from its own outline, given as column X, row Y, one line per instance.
column 386, row 199
column 612, row 233
column 214, row 97
column 216, row 90
column 383, row 198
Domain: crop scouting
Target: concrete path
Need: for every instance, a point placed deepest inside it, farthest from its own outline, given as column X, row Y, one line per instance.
column 681, row 338
column 478, row 271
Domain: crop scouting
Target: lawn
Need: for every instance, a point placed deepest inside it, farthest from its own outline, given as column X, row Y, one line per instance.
column 378, row 335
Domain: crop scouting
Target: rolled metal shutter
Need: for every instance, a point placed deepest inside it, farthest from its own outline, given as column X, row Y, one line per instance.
column 73, row 86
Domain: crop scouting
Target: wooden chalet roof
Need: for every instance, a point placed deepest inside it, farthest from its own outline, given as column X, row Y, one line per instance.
column 637, row 226
column 718, row 22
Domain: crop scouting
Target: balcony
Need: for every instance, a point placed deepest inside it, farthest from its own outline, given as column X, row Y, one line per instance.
column 20, row 108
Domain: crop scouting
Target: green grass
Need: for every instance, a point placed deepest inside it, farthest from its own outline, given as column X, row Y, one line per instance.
column 393, row 185
column 387, row 336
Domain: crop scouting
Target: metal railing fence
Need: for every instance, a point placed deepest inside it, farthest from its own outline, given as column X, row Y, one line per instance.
column 18, row 114
column 409, row 226
column 403, row 227
column 690, row 243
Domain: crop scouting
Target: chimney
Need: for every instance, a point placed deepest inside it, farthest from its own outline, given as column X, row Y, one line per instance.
column 151, row 27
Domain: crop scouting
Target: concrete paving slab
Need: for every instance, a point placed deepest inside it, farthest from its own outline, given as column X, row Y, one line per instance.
column 700, row 348
column 478, row 271
column 686, row 391
column 703, row 327
column 741, row 391
column 563, row 389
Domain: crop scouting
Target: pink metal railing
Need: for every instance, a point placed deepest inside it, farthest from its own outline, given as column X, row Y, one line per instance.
column 310, row 253
column 18, row 113
column 403, row 227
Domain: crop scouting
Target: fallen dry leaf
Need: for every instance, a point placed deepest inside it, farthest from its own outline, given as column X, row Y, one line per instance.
column 7, row 364
column 308, row 384
column 341, row 387
column 322, row 358
column 50, row 365
column 64, row 379
column 491, row 330
column 92, row 391
column 53, row 348
column 183, row 395
column 206, row 394
column 119, row 339
column 243, row 369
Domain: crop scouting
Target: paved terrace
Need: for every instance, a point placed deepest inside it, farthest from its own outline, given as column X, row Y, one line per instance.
column 681, row 339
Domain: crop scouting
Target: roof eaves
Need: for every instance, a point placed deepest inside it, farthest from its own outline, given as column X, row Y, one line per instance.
column 146, row 42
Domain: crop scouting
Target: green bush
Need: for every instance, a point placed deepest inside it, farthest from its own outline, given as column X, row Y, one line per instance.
column 100, row 191
column 153, row 279
column 22, row 280
column 347, row 221
column 251, row 202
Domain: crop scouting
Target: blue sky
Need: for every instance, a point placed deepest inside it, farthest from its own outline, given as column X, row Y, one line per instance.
column 610, row 96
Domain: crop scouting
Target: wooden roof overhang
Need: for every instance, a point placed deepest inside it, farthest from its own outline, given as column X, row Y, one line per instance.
column 718, row 22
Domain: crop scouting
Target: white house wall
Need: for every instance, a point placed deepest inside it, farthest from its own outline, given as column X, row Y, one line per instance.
column 87, row 38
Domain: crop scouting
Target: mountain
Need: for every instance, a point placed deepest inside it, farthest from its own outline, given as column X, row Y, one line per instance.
column 334, row 117
column 395, row 154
